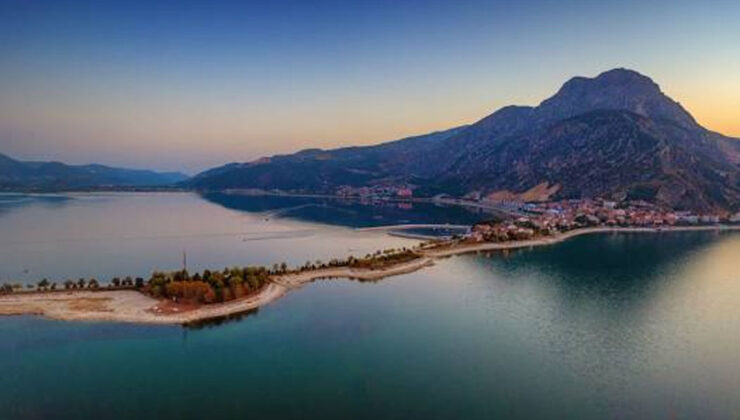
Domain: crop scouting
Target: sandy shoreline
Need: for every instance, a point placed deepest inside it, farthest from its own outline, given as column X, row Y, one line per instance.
column 135, row 307
column 297, row 280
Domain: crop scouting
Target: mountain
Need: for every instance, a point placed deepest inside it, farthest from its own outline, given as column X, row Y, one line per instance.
column 319, row 170
column 19, row 175
column 616, row 135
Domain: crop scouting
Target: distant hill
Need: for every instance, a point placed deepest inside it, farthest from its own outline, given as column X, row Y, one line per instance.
column 616, row 135
column 47, row 176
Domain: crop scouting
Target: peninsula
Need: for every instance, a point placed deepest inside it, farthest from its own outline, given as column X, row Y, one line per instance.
column 177, row 298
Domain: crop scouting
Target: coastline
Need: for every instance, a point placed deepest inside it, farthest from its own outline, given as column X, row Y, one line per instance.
column 134, row 307
column 493, row 246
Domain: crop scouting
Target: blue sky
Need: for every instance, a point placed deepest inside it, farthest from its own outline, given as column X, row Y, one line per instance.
column 187, row 85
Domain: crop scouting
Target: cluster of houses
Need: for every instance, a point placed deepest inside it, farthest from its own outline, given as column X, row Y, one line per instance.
column 542, row 219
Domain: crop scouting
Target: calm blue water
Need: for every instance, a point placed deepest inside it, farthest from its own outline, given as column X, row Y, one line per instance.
column 616, row 326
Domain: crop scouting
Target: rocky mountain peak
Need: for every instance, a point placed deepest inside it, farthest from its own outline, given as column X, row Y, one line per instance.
column 617, row 89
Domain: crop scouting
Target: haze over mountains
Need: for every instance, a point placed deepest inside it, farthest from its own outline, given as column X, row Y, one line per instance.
column 52, row 176
column 616, row 135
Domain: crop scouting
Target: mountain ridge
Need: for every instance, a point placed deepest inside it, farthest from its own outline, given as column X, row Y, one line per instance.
column 616, row 122
column 54, row 175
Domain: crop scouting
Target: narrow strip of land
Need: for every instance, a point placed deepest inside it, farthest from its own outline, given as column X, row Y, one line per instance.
column 295, row 280
column 133, row 306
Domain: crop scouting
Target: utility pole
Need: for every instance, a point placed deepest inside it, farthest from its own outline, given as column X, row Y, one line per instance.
column 184, row 260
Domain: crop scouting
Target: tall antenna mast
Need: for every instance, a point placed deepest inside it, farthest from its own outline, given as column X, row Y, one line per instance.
column 184, row 260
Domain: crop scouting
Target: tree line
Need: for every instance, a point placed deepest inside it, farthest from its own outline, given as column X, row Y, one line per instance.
column 208, row 287
column 219, row 285
column 44, row 285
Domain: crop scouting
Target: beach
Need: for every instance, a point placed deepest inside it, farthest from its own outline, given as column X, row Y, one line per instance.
column 133, row 306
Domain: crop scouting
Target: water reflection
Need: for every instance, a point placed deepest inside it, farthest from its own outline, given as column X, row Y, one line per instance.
column 644, row 323
column 349, row 212
column 606, row 277
column 625, row 262
column 221, row 320
column 12, row 202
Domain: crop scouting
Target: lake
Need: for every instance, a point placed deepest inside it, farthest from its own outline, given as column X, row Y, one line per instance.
column 615, row 325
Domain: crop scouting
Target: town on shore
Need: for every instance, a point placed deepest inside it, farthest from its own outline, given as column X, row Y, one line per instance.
column 552, row 218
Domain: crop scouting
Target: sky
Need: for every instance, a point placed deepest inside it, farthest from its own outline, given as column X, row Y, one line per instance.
column 186, row 85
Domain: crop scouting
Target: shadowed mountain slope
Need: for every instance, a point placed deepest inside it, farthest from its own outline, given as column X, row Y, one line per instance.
column 616, row 135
